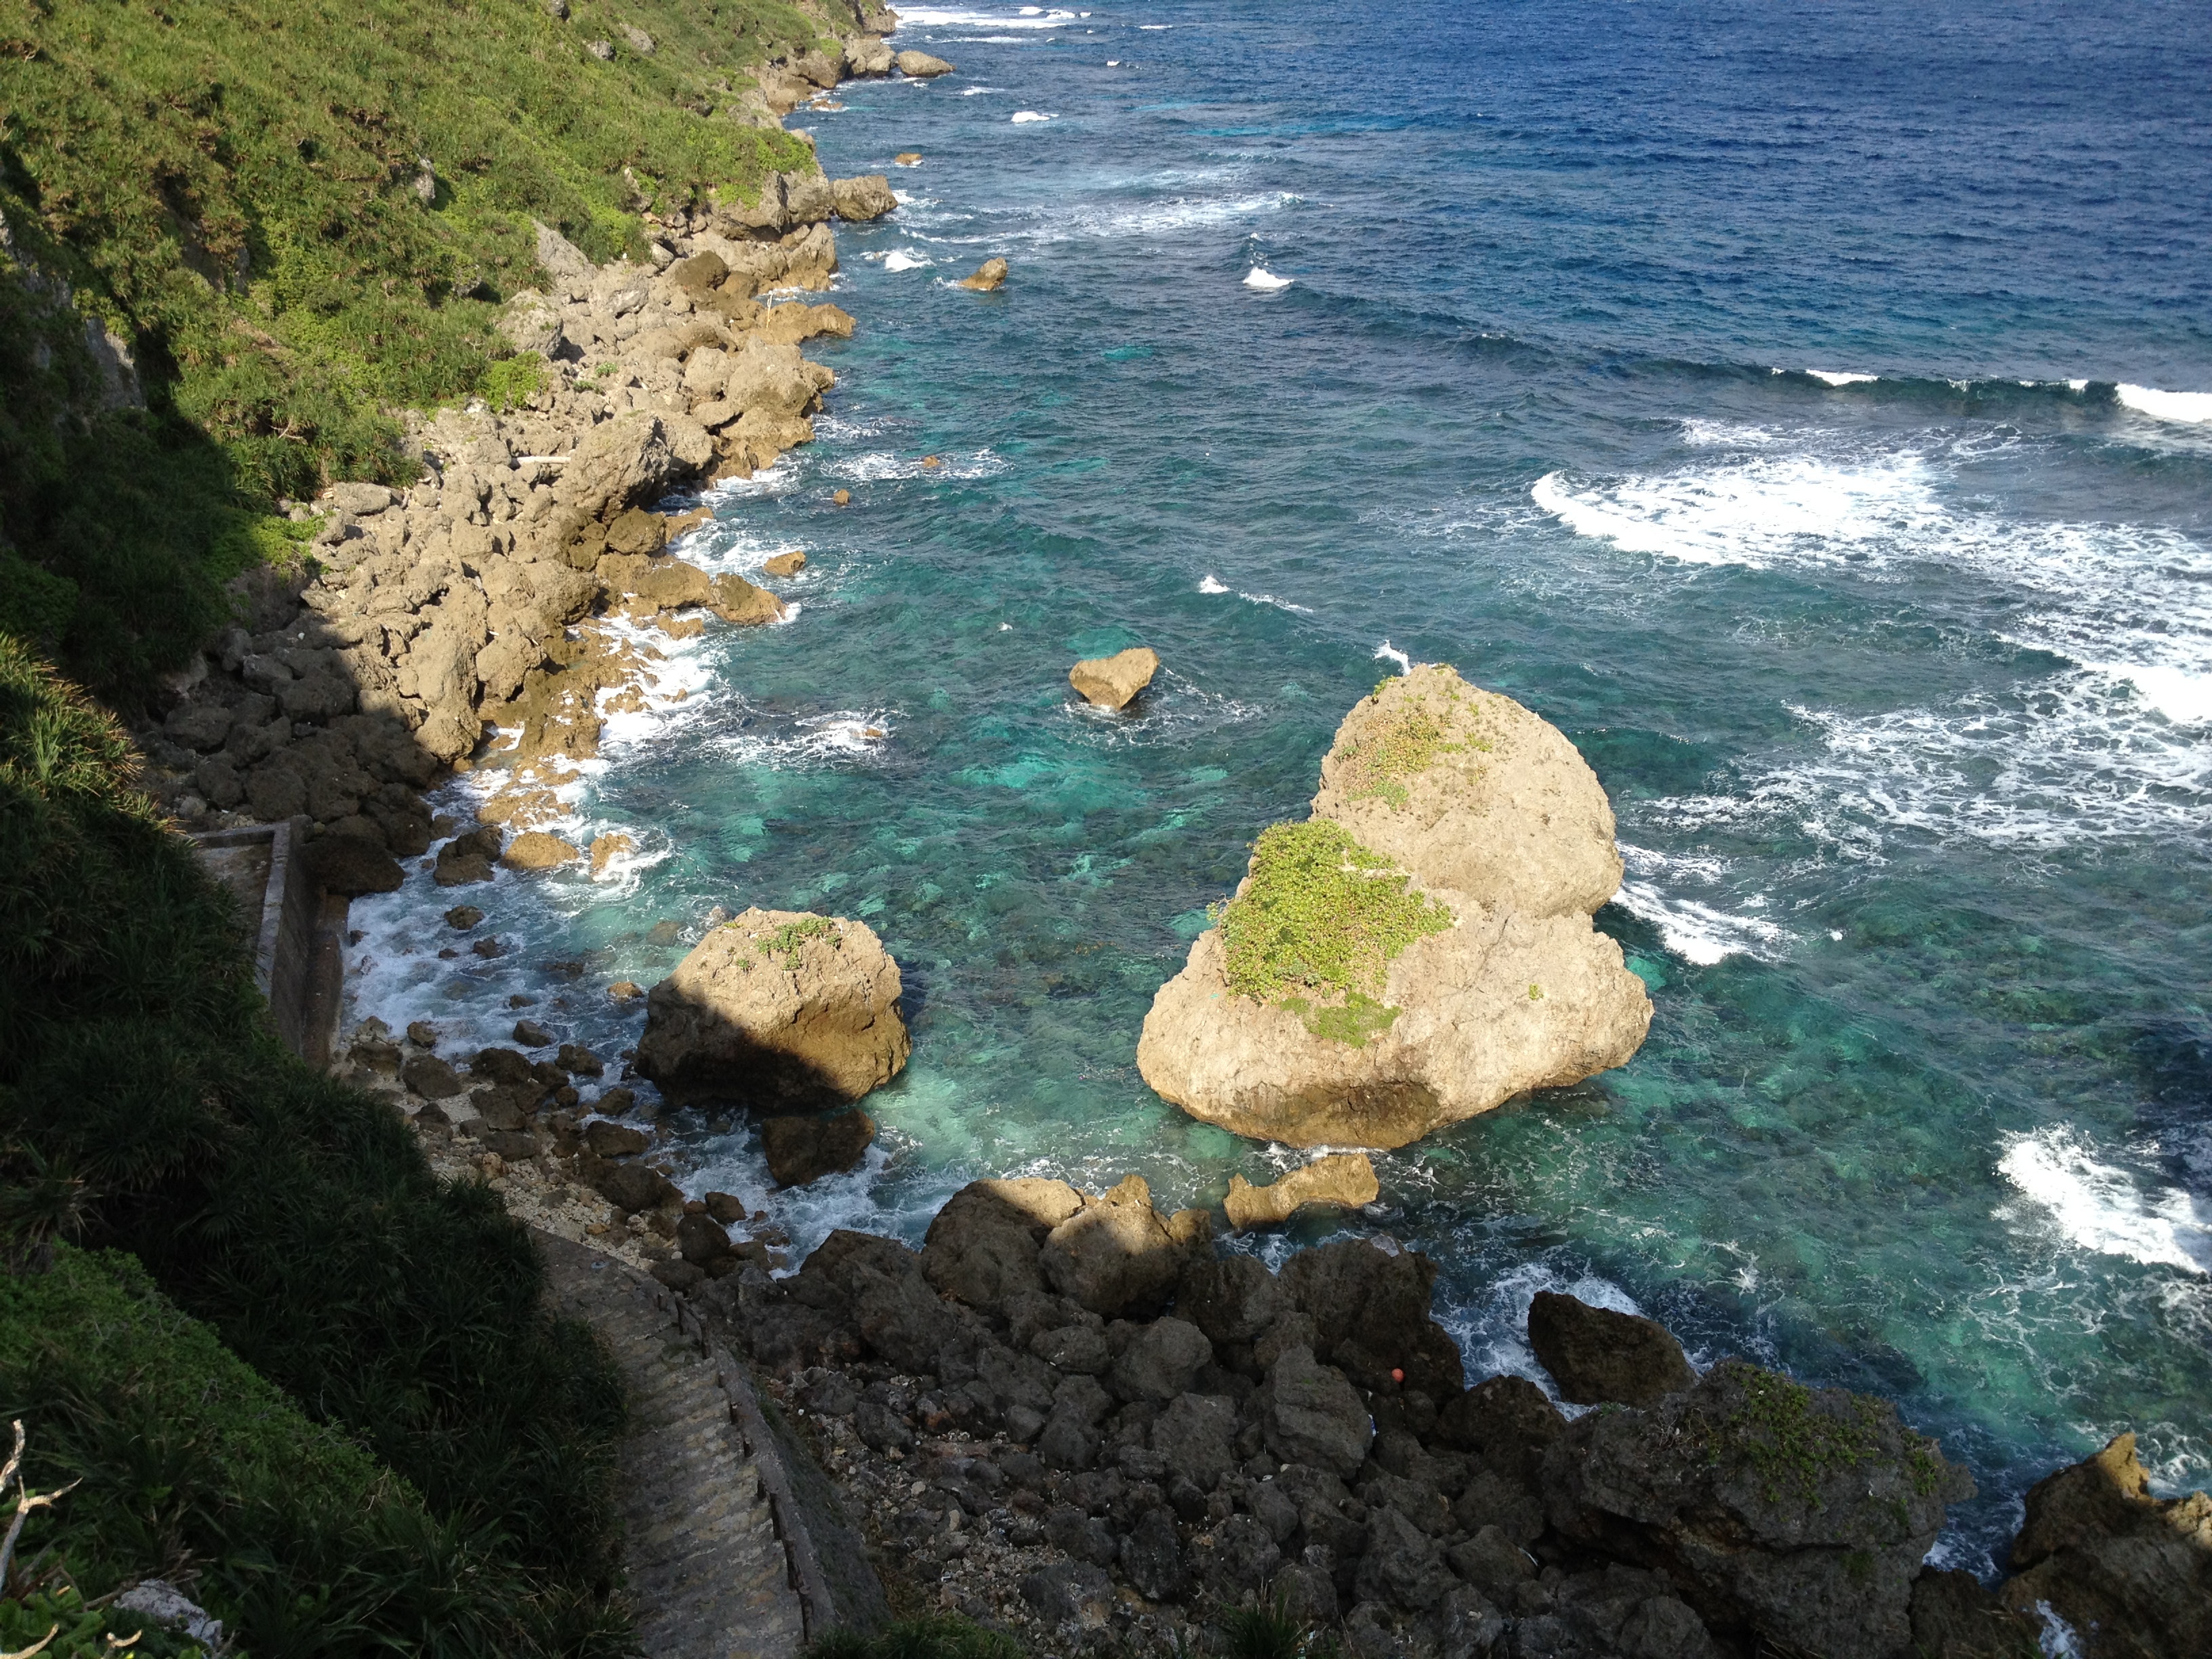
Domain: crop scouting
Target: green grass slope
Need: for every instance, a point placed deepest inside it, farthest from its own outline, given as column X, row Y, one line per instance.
column 237, row 189
column 141, row 1092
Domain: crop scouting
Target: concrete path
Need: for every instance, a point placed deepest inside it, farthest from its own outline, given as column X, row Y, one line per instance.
column 710, row 1574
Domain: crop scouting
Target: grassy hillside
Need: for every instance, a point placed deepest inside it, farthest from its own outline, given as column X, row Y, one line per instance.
column 145, row 1106
column 300, row 214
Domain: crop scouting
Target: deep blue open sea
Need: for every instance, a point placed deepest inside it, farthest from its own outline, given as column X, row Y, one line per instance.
column 1808, row 410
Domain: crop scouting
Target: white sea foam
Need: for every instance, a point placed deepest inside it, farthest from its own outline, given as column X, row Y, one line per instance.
column 1840, row 377
column 841, row 737
column 878, row 464
column 2190, row 406
column 1211, row 585
column 1387, row 651
column 977, row 92
column 935, row 17
column 1021, row 116
column 1695, row 930
column 2099, row 1207
column 1266, row 280
column 900, row 258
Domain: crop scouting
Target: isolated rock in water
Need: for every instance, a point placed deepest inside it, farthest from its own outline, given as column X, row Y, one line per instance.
column 467, row 858
column 868, row 197
column 607, row 848
column 1344, row 1179
column 800, row 1150
column 919, row 65
column 983, row 1246
column 2132, row 1573
column 1113, row 682
column 777, row 1006
column 1595, row 1354
column 784, row 564
column 1779, row 1511
column 1421, row 949
column 533, row 849
column 986, row 276
column 907, row 158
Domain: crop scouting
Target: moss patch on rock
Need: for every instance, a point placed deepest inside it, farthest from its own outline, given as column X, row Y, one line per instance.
column 1421, row 728
column 1317, row 926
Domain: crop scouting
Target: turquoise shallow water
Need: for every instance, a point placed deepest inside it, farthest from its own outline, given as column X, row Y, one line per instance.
column 1901, row 685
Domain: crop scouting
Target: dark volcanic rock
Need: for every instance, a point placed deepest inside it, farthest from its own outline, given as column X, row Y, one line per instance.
column 1954, row 1618
column 1116, row 1255
column 633, row 1187
column 1506, row 1422
column 1231, row 1298
column 1370, row 1315
column 800, row 1150
column 1072, row 1590
column 1152, row 1556
column 983, row 1245
column 1595, row 1354
column 1161, row 1360
column 2130, row 1572
column 1796, row 1515
column 353, row 866
column 431, row 1077
column 1310, row 1414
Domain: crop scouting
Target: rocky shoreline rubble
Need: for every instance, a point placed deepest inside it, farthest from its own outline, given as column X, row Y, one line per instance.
column 494, row 613
column 1072, row 1417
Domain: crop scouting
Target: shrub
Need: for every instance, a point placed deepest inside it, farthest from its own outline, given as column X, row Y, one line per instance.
column 1317, row 926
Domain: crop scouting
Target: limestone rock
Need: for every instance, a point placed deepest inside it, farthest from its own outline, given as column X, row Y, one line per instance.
column 1796, row 1515
column 533, row 849
column 801, row 1150
column 562, row 259
column 1344, row 1179
column 2132, row 1573
column 920, row 66
column 1595, row 1354
column 866, row 57
column 1113, row 682
column 777, row 1006
column 606, row 849
column 858, row 200
column 1446, row 784
column 784, row 564
column 986, row 276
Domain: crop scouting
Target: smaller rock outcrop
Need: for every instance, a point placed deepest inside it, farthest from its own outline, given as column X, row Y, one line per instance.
column 1346, row 1179
column 986, row 276
column 1113, row 682
column 534, row 849
column 920, row 66
column 1595, row 1354
column 802, row 1150
column 773, row 1008
column 2132, row 1573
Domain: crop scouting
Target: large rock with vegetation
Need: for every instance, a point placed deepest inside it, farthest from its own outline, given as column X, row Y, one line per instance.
column 1418, row 950
column 1780, row 1512
column 777, row 1007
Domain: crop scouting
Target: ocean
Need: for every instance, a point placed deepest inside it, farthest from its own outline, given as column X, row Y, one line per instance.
column 1807, row 411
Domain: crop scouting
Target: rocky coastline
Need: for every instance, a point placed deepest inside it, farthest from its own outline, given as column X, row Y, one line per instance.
column 1069, row 1415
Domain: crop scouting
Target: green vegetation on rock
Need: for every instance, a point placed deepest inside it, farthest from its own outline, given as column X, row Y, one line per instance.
column 786, row 940
column 1793, row 1439
column 237, row 189
column 1411, row 736
column 144, row 1101
column 1317, row 926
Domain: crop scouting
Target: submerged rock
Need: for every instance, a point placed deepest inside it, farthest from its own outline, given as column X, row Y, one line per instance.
column 777, row 1006
column 1418, row 951
column 1344, row 1179
column 1113, row 682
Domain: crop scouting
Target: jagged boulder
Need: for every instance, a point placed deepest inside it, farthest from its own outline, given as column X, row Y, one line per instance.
column 1113, row 682
column 2132, row 1573
column 983, row 1246
column 777, row 1006
column 1780, row 1512
column 1117, row 1255
column 1595, row 1354
column 1421, row 949
column 868, row 197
